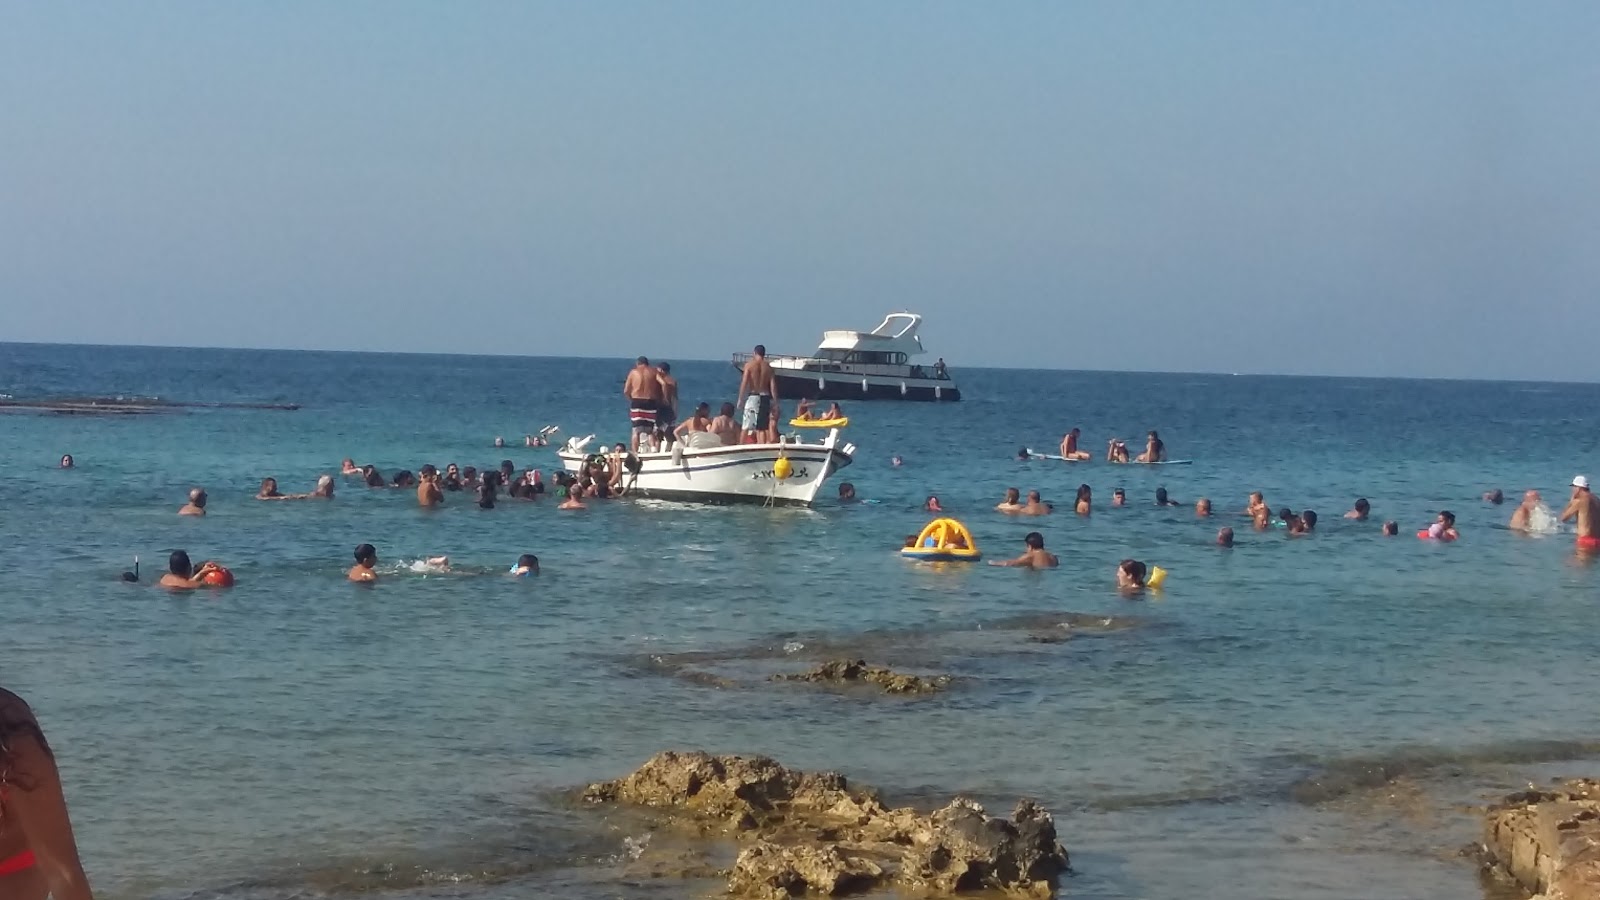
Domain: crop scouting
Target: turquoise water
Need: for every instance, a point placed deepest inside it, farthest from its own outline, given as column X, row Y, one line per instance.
column 300, row 736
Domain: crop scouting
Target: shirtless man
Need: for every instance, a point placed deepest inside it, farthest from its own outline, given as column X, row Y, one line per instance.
column 1586, row 510
column 1154, row 450
column 429, row 494
column 758, row 396
column 196, row 505
column 667, row 415
column 1035, row 506
column 724, row 427
column 1521, row 518
column 181, row 574
column 1069, row 446
column 1012, row 504
column 642, row 387
column 574, row 498
column 1033, row 555
column 365, row 569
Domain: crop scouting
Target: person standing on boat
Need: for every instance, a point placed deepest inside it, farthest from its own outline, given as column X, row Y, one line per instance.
column 758, row 395
column 667, row 414
column 643, row 390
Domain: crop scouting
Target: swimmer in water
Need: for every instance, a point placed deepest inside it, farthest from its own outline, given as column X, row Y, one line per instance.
column 1202, row 508
column 372, row 477
column 348, row 466
column 404, row 479
column 66, row 461
column 452, row 478
column 324, row 488
column 1154, row 450
column 1035, row 506
column 1257, row 501
column 1012, row 503
column 1069, row 446
column 847, row 492
column 196, row 505
column 1586, row 510
column 1261, row 517
column 1361, row 511
column 1390, row 529
column 1444, row 528
column 527, row 564
column 1034, row 556
column 1162, row 499
column 1117, row 451
column 365, row 569
column 1022, row 454
column 911, row 541
column 429, row 494
column 499, row 442
column 1521, row 517
column 896, row 461
column 269, row 490
column 1119, row 497
column 486, row 490
column 182, row 575
column 1495, row 496
column 932, row 505
column 1308, row 518
column 1224, row 537
column 574, row 498
column 1131, row 574
column 1084, row 503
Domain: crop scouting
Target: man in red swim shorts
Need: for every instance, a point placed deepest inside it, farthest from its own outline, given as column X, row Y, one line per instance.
column 1586, row 509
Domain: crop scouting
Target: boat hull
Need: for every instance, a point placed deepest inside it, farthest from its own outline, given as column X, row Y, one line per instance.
column 794, row 385
column 741, row 474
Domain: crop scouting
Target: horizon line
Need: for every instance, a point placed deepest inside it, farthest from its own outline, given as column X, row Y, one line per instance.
column 681, row 359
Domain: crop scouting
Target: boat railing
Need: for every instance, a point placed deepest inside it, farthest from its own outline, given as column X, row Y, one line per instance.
column 812, row 365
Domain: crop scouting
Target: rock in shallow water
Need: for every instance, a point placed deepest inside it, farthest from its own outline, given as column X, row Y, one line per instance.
column 846, row 671
column 811, row 832
column 1549, row 841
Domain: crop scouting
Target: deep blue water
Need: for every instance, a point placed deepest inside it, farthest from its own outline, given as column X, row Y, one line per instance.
column 290, row 734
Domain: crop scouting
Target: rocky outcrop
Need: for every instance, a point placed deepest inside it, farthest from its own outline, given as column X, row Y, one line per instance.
column 813, row 833
column 1549, row 841
column 856, row 672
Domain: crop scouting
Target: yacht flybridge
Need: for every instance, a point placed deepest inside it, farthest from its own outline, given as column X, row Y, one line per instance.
column 863, row 365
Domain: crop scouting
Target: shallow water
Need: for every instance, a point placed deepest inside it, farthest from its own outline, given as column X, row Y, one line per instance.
column 1234, row 735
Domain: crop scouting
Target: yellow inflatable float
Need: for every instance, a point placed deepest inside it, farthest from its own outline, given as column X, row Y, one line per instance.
column 820, row 423
column 943, row 540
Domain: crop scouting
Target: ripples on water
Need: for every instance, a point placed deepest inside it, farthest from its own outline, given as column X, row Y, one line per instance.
column 1294, row 718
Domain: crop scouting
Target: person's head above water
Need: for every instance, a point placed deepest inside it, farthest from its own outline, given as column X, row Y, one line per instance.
column 197, row 497
column 324, row 486
column 1447, row 518
column 269, row 487
column 1225, row 537
column 1131, row 573
column 1119, row 497
column 1085, row 495
column 178, row 564
column 1033, row 497
column 527, row 564
column 1202, row 507
column 847, row 491
column 1390, row 529
column 66, row 461
column 1013, row 495
column 1580, row 485
column 499, row 441
column 1309, row 519
column 1161, row 497
column 1033, row 540
column 366, row 555
column 1495, row 496
column 932, row 504
column 1363, row 507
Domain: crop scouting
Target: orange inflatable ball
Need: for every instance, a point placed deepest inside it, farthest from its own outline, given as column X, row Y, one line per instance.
column 218, row 577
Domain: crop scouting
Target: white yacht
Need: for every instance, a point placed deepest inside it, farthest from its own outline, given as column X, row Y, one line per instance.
column 863, row 365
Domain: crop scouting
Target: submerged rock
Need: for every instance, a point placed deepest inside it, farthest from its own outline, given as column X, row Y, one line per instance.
column 814, row 833
column 846, row 671
column 1549, row 841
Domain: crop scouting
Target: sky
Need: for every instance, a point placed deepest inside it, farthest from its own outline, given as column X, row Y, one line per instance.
column 1345, row 188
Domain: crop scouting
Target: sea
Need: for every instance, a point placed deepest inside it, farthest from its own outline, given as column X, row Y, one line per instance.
column 1303, row 718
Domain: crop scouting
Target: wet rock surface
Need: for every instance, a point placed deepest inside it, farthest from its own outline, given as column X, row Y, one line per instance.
column 857, row 672
column 815, row 833
column 1548, row 841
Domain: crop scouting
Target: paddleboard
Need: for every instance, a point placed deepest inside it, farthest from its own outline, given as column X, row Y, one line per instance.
column 1169, row 462
column 1056, row 457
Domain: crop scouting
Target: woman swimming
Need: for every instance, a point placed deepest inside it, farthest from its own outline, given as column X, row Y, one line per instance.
column 1084, row 501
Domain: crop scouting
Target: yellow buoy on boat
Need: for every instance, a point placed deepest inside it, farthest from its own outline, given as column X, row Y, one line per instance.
column 782, row 469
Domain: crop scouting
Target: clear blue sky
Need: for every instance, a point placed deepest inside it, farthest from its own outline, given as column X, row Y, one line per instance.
column 1320, row 187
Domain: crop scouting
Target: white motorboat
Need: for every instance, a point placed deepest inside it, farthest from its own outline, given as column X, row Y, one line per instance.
column 863, row 365
column 701, row 468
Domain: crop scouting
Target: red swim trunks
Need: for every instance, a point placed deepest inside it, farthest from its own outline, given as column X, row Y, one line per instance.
column 1588, row 542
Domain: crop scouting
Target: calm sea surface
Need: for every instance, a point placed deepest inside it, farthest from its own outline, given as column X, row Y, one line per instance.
column 1233, row 736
